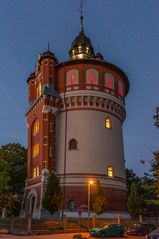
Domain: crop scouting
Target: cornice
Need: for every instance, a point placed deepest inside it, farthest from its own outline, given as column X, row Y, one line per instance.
column 95, row 103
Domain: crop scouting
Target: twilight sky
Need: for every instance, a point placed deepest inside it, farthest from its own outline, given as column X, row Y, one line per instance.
column 127, row 33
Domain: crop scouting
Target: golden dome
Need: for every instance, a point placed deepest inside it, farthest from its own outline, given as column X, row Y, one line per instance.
column 81, row 47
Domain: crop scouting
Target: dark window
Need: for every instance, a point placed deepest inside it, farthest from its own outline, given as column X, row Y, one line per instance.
column 73, row 144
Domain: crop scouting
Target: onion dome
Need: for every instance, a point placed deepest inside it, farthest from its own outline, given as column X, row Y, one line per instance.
column 99, row 56
column 81, row 47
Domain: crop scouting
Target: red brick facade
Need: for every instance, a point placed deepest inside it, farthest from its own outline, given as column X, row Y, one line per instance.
column 116, row 198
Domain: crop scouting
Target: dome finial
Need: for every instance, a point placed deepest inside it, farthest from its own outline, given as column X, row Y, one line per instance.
column 81, row 47
column 48, row 46
column 81, row 16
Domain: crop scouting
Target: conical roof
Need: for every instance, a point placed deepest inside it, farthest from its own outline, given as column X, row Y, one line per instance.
column 48, row 53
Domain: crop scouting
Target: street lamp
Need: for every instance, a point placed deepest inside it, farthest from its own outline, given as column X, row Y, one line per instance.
column 89, row 198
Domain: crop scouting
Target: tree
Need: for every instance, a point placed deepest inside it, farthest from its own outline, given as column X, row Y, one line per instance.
column 13, row 159
column 53, row 197
column 149, row 192
column 155, row 166
column 131, row 177
column 150, row 186
column 134, row 200
column 4, row 177
column 4, row 182
column 99, row 201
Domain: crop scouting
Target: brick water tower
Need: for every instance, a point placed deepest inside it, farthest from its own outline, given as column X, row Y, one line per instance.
column 75, row 117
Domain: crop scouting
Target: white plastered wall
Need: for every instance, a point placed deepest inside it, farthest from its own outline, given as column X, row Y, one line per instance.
column 98, row 147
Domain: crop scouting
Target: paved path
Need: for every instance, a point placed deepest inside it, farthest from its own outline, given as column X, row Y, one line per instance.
column 51, row 236
column 58, row 236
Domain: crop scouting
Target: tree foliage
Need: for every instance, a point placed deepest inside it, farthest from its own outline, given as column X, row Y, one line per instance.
column 53, row 197
column 134, row 200
column 99, row 201
column 13, row 159
column 99, row 205
column 131, row 177
column 155, row 166
column 147, row 188
column 150, row 186
column 4, row 177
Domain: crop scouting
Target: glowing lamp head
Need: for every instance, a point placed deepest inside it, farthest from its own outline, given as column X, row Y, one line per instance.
column 91, row 182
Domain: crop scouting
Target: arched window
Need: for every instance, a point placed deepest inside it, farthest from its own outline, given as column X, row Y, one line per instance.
column 38, row 89
column 37, row 171
column 109, row 81
column 108, row 123
column 121, row 88
column 72, row 78
column 92, row 77
column 34, row 172
column 71, row 205
column 110, row 171
column 35, row 150
column 73, row 144
column 35, row 127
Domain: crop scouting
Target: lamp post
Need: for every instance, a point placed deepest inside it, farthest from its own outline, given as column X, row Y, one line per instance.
column 89, row 198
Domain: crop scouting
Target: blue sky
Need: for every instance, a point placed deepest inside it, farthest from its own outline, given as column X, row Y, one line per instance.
column 126, row 31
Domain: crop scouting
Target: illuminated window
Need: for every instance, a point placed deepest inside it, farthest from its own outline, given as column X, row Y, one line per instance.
column 120, row 88
column 79, row 48
column 73, row 144
column 110, row 171
column 87, row 49
column 92, row 77
column 109, row 81
column 35, row 151
column 72, row 78
column 35, row 127
column 38, row 89
column 108, row 123
column 37, row 171
column 34, row 173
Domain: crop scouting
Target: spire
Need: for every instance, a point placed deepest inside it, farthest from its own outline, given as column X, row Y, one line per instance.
column 81, row 47
column 48, row 46
column 81, row 16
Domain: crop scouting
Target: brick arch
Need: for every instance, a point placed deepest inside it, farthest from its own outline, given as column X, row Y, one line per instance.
column 92, row 77
column 72, row 77
column 31, row 207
